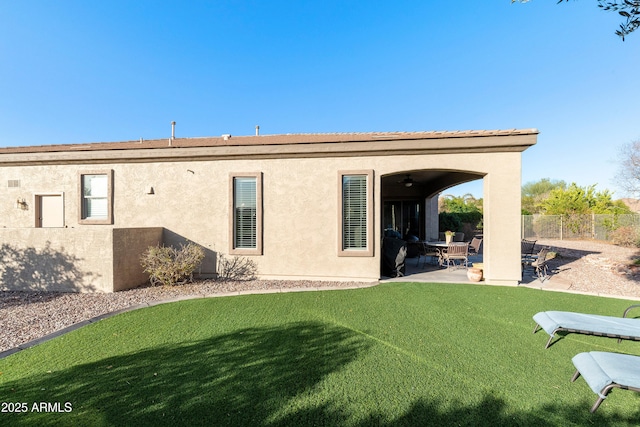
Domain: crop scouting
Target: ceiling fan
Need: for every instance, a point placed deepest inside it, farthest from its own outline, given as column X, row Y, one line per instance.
column 407, row 182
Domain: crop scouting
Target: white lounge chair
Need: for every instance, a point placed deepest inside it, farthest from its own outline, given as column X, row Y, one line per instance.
column 588, row 324
column 604, row 371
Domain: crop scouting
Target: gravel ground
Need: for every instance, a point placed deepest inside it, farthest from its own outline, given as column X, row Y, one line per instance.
column 594, row 267
column 25, row 316
column 581, row 266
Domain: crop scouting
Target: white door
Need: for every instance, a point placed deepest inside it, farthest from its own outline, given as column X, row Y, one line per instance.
column 51, row 211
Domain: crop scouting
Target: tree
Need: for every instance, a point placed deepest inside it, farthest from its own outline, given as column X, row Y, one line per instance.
column 533, row 193
column 576, row 200
column 628, row 9
column 629, row 169
column 460, row 204
column 460, row 213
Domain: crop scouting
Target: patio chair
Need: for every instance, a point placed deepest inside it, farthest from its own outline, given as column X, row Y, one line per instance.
column 458, row 237
column 428, row 252
column 474, row 246
column 588, row 324
column 527, row 247
column 539, row 264
column 456, row 251
column 604, row 371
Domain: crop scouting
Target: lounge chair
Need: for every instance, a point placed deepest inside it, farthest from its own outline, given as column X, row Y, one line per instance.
column 588, row 324
column 604, row 371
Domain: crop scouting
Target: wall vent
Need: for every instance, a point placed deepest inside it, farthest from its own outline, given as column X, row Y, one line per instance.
column 13, row 183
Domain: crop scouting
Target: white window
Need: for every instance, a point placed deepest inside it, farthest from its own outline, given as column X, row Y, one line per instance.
column 246, row 208
column 356, row 216
column 95, row 197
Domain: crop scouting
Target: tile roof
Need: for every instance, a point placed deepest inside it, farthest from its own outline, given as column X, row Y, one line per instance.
column 263, row 140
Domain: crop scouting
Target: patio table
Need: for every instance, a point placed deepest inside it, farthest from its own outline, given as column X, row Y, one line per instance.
column 439, row 245
column 436, row 244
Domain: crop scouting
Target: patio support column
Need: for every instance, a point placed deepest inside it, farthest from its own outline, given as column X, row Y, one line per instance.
column 502, row 218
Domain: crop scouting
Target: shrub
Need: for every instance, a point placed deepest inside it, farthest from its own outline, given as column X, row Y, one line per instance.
column 449, row 221
column 169, row 266
column 625, row 236
column 236, row 268
column 468, row 222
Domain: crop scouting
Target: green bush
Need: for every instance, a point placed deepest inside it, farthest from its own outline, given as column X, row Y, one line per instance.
column 468, row 222
column 169, row 266
column 449, row 221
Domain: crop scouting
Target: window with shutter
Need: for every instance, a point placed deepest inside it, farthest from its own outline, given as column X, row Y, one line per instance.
column 356, row 214
column 245, row 213
column 246, row 221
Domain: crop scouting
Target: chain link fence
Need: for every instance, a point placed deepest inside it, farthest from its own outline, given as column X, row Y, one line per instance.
column 597, row 227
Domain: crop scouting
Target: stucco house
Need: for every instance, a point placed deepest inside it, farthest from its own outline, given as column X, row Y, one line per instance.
column 302, row 206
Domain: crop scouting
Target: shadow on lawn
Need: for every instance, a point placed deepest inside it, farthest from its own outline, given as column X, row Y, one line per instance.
column 242, row 378
column 492, row 411
column 251, row 378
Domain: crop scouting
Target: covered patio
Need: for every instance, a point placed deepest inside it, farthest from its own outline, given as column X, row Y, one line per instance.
column 411, row 213
column 415, row 271
column 409, row 191
column 410, row 200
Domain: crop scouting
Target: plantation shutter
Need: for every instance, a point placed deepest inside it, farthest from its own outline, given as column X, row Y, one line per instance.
column 94, row 196
column 245, row 203
column 354, row 212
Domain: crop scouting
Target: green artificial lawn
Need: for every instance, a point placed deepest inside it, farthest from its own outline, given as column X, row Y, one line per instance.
column 398, row 354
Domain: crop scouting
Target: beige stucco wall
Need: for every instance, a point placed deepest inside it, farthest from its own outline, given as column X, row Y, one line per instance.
column 190, row 201
column 128, row 246
column 502, row 221
column 73, row 259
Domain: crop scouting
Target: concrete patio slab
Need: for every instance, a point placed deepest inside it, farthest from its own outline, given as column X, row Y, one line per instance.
column 418, row 271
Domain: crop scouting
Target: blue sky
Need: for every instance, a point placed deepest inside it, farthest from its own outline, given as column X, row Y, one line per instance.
column 89, row 71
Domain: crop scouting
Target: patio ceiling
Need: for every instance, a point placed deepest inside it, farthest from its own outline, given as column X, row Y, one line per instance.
column 425, row 183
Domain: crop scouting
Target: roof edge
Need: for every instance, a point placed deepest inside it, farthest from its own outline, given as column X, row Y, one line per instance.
column 463, row 144
column 260, row 140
